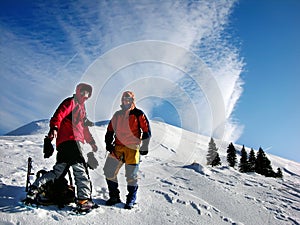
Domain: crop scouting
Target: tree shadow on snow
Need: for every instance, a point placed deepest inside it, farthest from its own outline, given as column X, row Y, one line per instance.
column 10, row 196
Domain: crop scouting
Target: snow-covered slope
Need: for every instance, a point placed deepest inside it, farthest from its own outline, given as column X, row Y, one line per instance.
column 176, row 187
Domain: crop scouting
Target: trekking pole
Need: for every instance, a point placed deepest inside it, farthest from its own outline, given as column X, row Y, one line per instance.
column 29, row 173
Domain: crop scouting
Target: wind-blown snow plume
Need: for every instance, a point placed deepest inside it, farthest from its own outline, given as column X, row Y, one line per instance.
column 89, row 29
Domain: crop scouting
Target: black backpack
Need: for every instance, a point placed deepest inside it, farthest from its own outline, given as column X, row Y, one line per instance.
column 59, row 192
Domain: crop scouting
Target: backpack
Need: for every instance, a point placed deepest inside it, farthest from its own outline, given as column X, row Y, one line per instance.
column 59, row 192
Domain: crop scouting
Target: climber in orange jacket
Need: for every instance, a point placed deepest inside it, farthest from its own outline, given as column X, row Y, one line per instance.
column 127, row 137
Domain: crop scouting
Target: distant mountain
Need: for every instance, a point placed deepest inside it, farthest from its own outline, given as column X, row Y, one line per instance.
column 35, row 127
column 41, row 127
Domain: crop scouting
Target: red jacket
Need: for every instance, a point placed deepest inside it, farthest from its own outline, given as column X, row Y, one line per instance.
column 129, row 128
column 69, row 119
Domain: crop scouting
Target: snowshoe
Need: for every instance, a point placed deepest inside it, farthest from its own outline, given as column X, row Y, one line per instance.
column 32, row 194
column 84, row 206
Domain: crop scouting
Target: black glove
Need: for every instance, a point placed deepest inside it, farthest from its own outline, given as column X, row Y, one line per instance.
column 110, row 148
column 88, row 123
column 48, row 147
column 92, row 161
column 144, row 150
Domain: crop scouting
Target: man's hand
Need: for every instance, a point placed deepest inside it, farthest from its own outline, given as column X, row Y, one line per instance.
column 52, row 133
column 94, row 147
column 144, row 150
column 92, row 161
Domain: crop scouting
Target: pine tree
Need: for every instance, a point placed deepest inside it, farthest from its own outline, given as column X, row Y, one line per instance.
column 279, row 173
column 244, row 161
column 251, row 161
column 216, row 161
column 211, row 154
column 231, row 155
column 259, row 162
column 263, row 164
column 269, row 172
column 212, row 157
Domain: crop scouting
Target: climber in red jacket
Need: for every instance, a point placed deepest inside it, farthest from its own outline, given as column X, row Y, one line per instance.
column 70, row 129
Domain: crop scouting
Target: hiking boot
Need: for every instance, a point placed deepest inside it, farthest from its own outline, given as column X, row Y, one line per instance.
column 113, row 201
column 129, row 205
column 131, row 197
column 85, row 204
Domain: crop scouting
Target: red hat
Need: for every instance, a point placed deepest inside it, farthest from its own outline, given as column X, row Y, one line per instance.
column 128, row 94
column 84, row 87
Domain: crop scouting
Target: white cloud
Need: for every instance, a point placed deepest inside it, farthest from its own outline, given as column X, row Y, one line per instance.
column 50, row 65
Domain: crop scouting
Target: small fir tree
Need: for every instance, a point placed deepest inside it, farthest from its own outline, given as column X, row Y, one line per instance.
column 251, row 161
column 278, row 173
column 269, row 172
column 263, row 164
column 243, row 167
column 259, row 162
column 213, row 155
column 216, row 161
column 212, row 149
column 231, row 155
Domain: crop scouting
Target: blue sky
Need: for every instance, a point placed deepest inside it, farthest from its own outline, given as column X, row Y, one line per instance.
column 269, row 107
column 250, row 47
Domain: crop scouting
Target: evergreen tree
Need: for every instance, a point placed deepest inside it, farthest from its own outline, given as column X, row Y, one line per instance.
column 279, row 173
column 263, row 164
column 231, row 155
column 259, row 162
column 213, row 155
column 244, row 161
column 251, row 161
column 216, row 161
column 212, row 149
column 269, row 172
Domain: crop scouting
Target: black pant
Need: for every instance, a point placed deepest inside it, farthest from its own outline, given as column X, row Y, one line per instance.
column 69, row 152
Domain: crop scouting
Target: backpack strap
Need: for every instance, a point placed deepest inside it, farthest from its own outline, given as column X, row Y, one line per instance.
column 137, row 112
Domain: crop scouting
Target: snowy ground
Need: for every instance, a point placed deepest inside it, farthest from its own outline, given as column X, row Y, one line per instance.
column 172, row 191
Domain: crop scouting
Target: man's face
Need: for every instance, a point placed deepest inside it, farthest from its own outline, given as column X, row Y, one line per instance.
column 126, row 102
column 84, row 94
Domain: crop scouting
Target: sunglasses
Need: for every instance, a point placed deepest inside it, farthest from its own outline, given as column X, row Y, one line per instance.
column 129, row 99
column 85, row 93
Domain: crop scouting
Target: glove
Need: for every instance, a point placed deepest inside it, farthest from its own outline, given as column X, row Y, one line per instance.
column 48, row 147
column 92, row 161
column 88, row 123
column 144, row 150
column 94, row 147
column 52, row 133
column 110, row 148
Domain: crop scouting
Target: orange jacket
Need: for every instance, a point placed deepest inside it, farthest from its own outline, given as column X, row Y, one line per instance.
column 128, row 128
